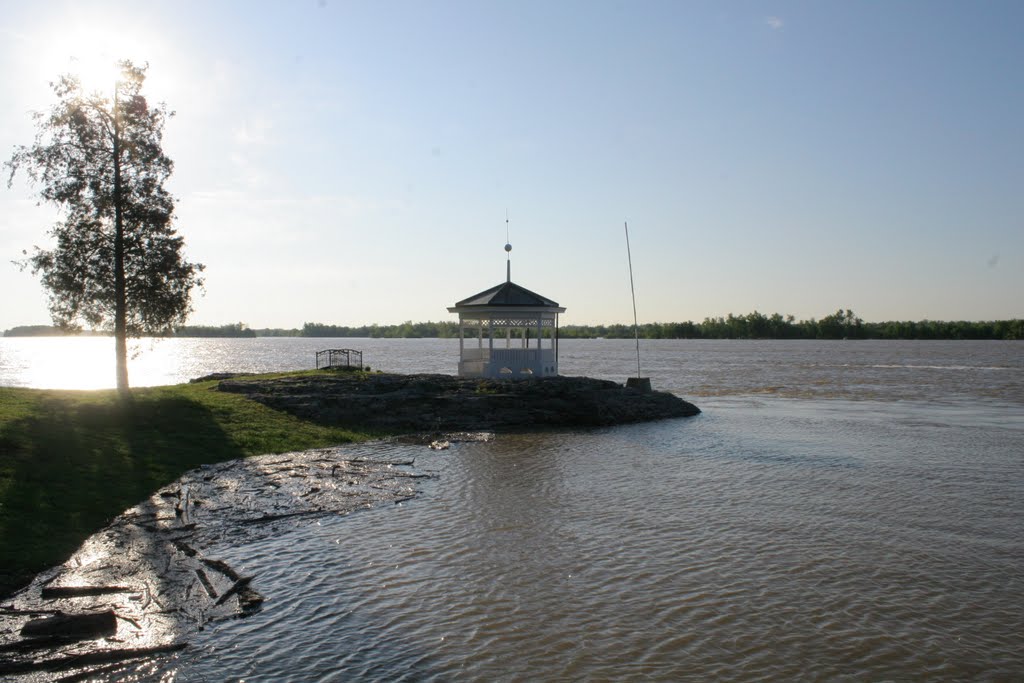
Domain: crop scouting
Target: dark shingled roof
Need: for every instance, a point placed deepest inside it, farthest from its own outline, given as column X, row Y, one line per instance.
column 507, row 294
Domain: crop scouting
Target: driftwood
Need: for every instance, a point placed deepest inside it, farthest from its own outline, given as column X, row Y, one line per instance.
column 12, row 611
column 184, row 547
column 393, row 463
column 92, row 673
column 87, row 659
column 222, row 567
column 263, row 519
column 72, row 626
column 409, row 475
column 55, row 592
column 210, row 590
column 29, row 644
column 236, row 587
column 166, row 529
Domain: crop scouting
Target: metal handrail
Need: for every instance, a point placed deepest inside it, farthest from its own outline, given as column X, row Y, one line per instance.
column 339, row 358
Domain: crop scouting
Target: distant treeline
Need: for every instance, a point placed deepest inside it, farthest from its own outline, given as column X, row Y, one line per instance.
column 407, row 330
column 232, row 330
column 50, row 331
column 839, row 325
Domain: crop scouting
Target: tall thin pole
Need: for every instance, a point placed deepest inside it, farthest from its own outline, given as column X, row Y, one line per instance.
column 632, row 291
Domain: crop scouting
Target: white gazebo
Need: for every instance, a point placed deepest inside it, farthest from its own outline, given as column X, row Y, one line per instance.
column 516, row 332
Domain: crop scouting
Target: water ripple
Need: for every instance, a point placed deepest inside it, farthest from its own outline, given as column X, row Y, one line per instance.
column 766, row 541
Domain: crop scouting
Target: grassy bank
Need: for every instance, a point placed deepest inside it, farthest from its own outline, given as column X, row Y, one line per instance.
column 72, row 460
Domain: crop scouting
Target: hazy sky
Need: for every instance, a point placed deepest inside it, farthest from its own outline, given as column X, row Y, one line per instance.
column 352, row 162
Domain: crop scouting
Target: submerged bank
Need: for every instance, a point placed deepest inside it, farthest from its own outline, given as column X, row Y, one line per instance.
column 144, row 584
column 70, row 461
column 442, row 402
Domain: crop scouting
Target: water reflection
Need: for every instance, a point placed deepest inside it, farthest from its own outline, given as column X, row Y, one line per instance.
column 938, row 372
column 88, row 362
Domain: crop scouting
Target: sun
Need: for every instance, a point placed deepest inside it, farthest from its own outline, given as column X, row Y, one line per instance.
column 90, row 54
column 91, row 50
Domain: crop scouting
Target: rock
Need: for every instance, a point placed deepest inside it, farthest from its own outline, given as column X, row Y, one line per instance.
column 448, row 403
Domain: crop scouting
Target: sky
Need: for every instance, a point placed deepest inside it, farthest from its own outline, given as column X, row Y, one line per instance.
column 354, row 162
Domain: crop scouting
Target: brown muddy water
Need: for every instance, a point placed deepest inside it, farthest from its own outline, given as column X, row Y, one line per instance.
column 840, row 511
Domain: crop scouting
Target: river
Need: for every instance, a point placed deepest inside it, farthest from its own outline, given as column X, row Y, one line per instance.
column 841, row 510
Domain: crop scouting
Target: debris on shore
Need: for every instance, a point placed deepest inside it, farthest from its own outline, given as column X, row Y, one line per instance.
column 152, row 577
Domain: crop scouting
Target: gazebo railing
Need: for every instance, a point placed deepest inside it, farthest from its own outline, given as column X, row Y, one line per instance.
column 339, row 358
column 508, row 362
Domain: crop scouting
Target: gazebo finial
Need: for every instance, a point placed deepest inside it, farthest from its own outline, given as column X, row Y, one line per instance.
column 508, row 252
column 508, row 262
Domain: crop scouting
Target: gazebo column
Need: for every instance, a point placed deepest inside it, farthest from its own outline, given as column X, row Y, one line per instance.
column 556, row 343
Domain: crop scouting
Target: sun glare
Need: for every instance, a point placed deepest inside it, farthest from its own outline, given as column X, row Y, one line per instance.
column 92, row 51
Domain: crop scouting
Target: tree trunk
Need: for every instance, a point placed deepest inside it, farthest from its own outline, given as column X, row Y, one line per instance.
column 120, row 313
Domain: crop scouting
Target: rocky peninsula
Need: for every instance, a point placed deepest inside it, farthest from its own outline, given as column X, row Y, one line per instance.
column 424, row 403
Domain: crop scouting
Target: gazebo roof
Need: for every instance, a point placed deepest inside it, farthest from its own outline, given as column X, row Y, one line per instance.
column 507, row 294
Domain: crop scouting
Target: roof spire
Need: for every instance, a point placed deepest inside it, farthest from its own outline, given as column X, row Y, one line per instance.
column 508, row 252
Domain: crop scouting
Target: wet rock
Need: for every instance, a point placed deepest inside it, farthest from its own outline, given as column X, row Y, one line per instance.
column 445, row 402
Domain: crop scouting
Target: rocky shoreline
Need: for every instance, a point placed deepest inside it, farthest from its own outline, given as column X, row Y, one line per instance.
column 423, row 403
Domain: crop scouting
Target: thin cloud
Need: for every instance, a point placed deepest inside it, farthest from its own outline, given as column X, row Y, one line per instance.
column 774, row 23
column 252, row 131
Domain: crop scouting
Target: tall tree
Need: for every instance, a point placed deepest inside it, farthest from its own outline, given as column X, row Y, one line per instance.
column 117, row 262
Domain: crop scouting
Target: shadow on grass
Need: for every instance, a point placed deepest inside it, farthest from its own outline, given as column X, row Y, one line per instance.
column 74, row 462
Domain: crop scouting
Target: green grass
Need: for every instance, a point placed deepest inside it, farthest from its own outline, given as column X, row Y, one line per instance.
column 72, row 460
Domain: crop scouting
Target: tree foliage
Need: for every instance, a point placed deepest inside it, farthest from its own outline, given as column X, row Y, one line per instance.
column 117, row 261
